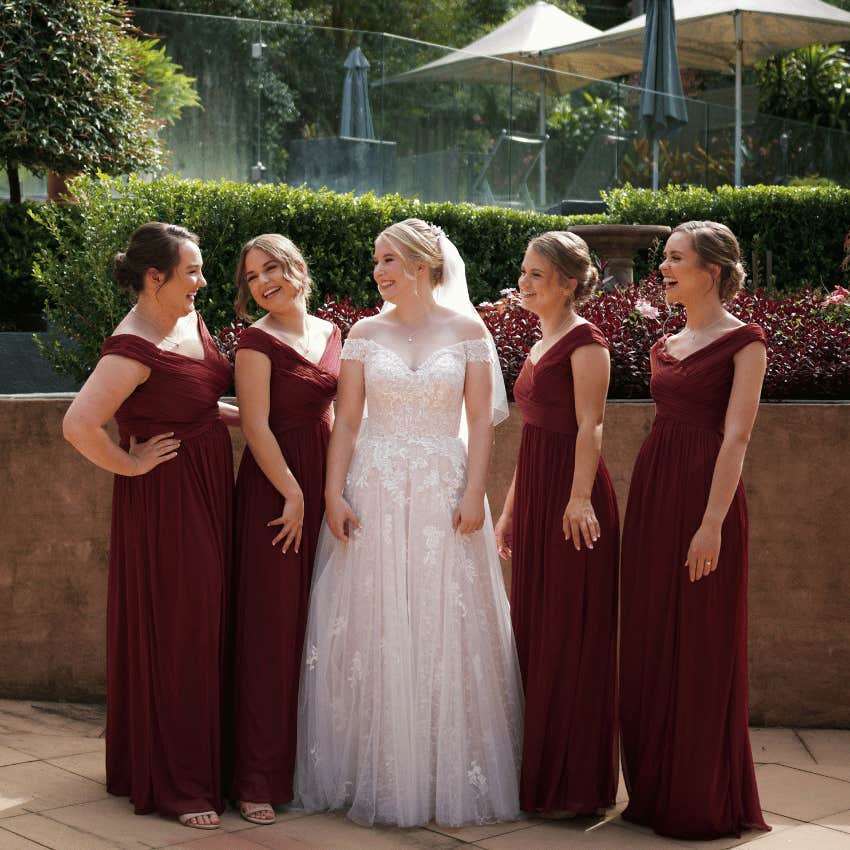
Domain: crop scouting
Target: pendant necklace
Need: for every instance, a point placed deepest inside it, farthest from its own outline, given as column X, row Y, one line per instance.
column 174, row 343
column 301, row 343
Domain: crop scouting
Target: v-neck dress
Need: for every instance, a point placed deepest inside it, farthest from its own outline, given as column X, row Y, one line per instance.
column 272, row 588
column 685, row 741
column 169, row 572
column 563, row 602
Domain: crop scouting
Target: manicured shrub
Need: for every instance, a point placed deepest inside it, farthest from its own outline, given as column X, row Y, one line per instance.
column 809, row 342
column 802, row 227
column 335, row 232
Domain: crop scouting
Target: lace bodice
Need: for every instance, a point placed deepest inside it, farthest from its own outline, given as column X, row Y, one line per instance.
column 422, row 402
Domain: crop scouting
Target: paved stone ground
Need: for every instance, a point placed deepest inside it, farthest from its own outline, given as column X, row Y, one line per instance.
column 52, row 794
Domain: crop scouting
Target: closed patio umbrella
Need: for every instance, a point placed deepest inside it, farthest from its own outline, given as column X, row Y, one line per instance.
column 662, row 104
column 356, row 117
column 717, row 34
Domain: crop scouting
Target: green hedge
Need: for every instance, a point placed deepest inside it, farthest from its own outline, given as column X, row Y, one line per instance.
column 335, row 232
column 21, row 237
column 803, row 227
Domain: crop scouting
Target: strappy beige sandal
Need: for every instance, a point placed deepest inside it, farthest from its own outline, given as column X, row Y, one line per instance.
column 249, row 811
column 185, row 819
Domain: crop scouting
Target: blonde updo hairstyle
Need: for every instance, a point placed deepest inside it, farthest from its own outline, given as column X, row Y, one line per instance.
column 417, row 242
column 715, row 243
column 569, row 254
column 281, row 250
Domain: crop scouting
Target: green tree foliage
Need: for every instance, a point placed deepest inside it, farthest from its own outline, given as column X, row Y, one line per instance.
column 572, row 124
column 168, row 90
column 269, row 10
column 810, row 84
column 70, row 100
column 439, row 21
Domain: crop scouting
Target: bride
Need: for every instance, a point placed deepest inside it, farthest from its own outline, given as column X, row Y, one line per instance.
column 410, row 707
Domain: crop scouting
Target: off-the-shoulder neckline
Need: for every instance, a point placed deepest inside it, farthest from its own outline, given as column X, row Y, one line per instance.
column 568, row 334
column 431, row 354
column 662, row 347
column 317, row 363
column 201, row 335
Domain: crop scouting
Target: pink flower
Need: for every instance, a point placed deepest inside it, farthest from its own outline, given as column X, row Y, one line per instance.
column 646, row 309
column 837, row 296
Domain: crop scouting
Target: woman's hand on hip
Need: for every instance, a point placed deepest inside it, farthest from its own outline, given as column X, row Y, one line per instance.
column 153, row 452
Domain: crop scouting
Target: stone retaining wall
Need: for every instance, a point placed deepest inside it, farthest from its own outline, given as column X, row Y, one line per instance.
column 54, row 527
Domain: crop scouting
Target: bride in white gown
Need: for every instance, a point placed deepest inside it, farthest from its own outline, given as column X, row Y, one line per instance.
column 410, row 707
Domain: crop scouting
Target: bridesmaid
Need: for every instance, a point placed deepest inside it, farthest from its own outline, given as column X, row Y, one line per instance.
column 560, row 526
column 686, row 751
column 161, row 375
column 287, row 364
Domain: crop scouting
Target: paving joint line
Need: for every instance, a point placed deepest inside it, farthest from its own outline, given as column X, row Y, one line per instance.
column 805, row 746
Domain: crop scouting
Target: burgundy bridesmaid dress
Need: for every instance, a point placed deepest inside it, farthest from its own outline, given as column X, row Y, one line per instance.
column 272, row 589
column 685, row 741
column 169, row 571
column 563, row 602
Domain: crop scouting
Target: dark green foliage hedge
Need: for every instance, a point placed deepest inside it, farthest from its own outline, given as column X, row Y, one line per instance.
column 803, row 227
column 335, row 232
column 21, row 299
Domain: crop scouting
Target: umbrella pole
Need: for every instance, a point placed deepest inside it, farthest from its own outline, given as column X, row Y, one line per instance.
column 541, row 126
column 739, row 62
column 655, row 162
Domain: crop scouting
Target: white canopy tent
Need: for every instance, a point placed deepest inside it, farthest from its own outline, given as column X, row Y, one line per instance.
column 520, row 41
column 714, row 35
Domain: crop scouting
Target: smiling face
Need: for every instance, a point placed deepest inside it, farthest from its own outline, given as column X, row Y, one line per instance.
column 176, row 292
column 543, row 290
column 268, row 285
column 686, row 277
column 395, row 275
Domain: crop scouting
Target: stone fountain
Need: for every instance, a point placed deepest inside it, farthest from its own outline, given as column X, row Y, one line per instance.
column 618, row 244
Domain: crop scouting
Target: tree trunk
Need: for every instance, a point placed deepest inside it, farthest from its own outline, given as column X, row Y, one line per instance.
column 14, row 182
column 57, row 188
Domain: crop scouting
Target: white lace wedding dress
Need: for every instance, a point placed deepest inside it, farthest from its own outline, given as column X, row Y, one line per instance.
column 410, row 707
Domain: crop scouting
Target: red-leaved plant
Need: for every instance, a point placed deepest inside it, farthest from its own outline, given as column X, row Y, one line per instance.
column 808, row 335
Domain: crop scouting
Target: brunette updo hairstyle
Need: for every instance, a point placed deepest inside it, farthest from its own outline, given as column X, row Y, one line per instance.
column 282, row 251
column 715, row 243
column 570, row 255
column 154, row 245
column 418, row 242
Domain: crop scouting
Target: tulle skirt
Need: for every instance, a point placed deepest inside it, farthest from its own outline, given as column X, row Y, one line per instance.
column 410, row 707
